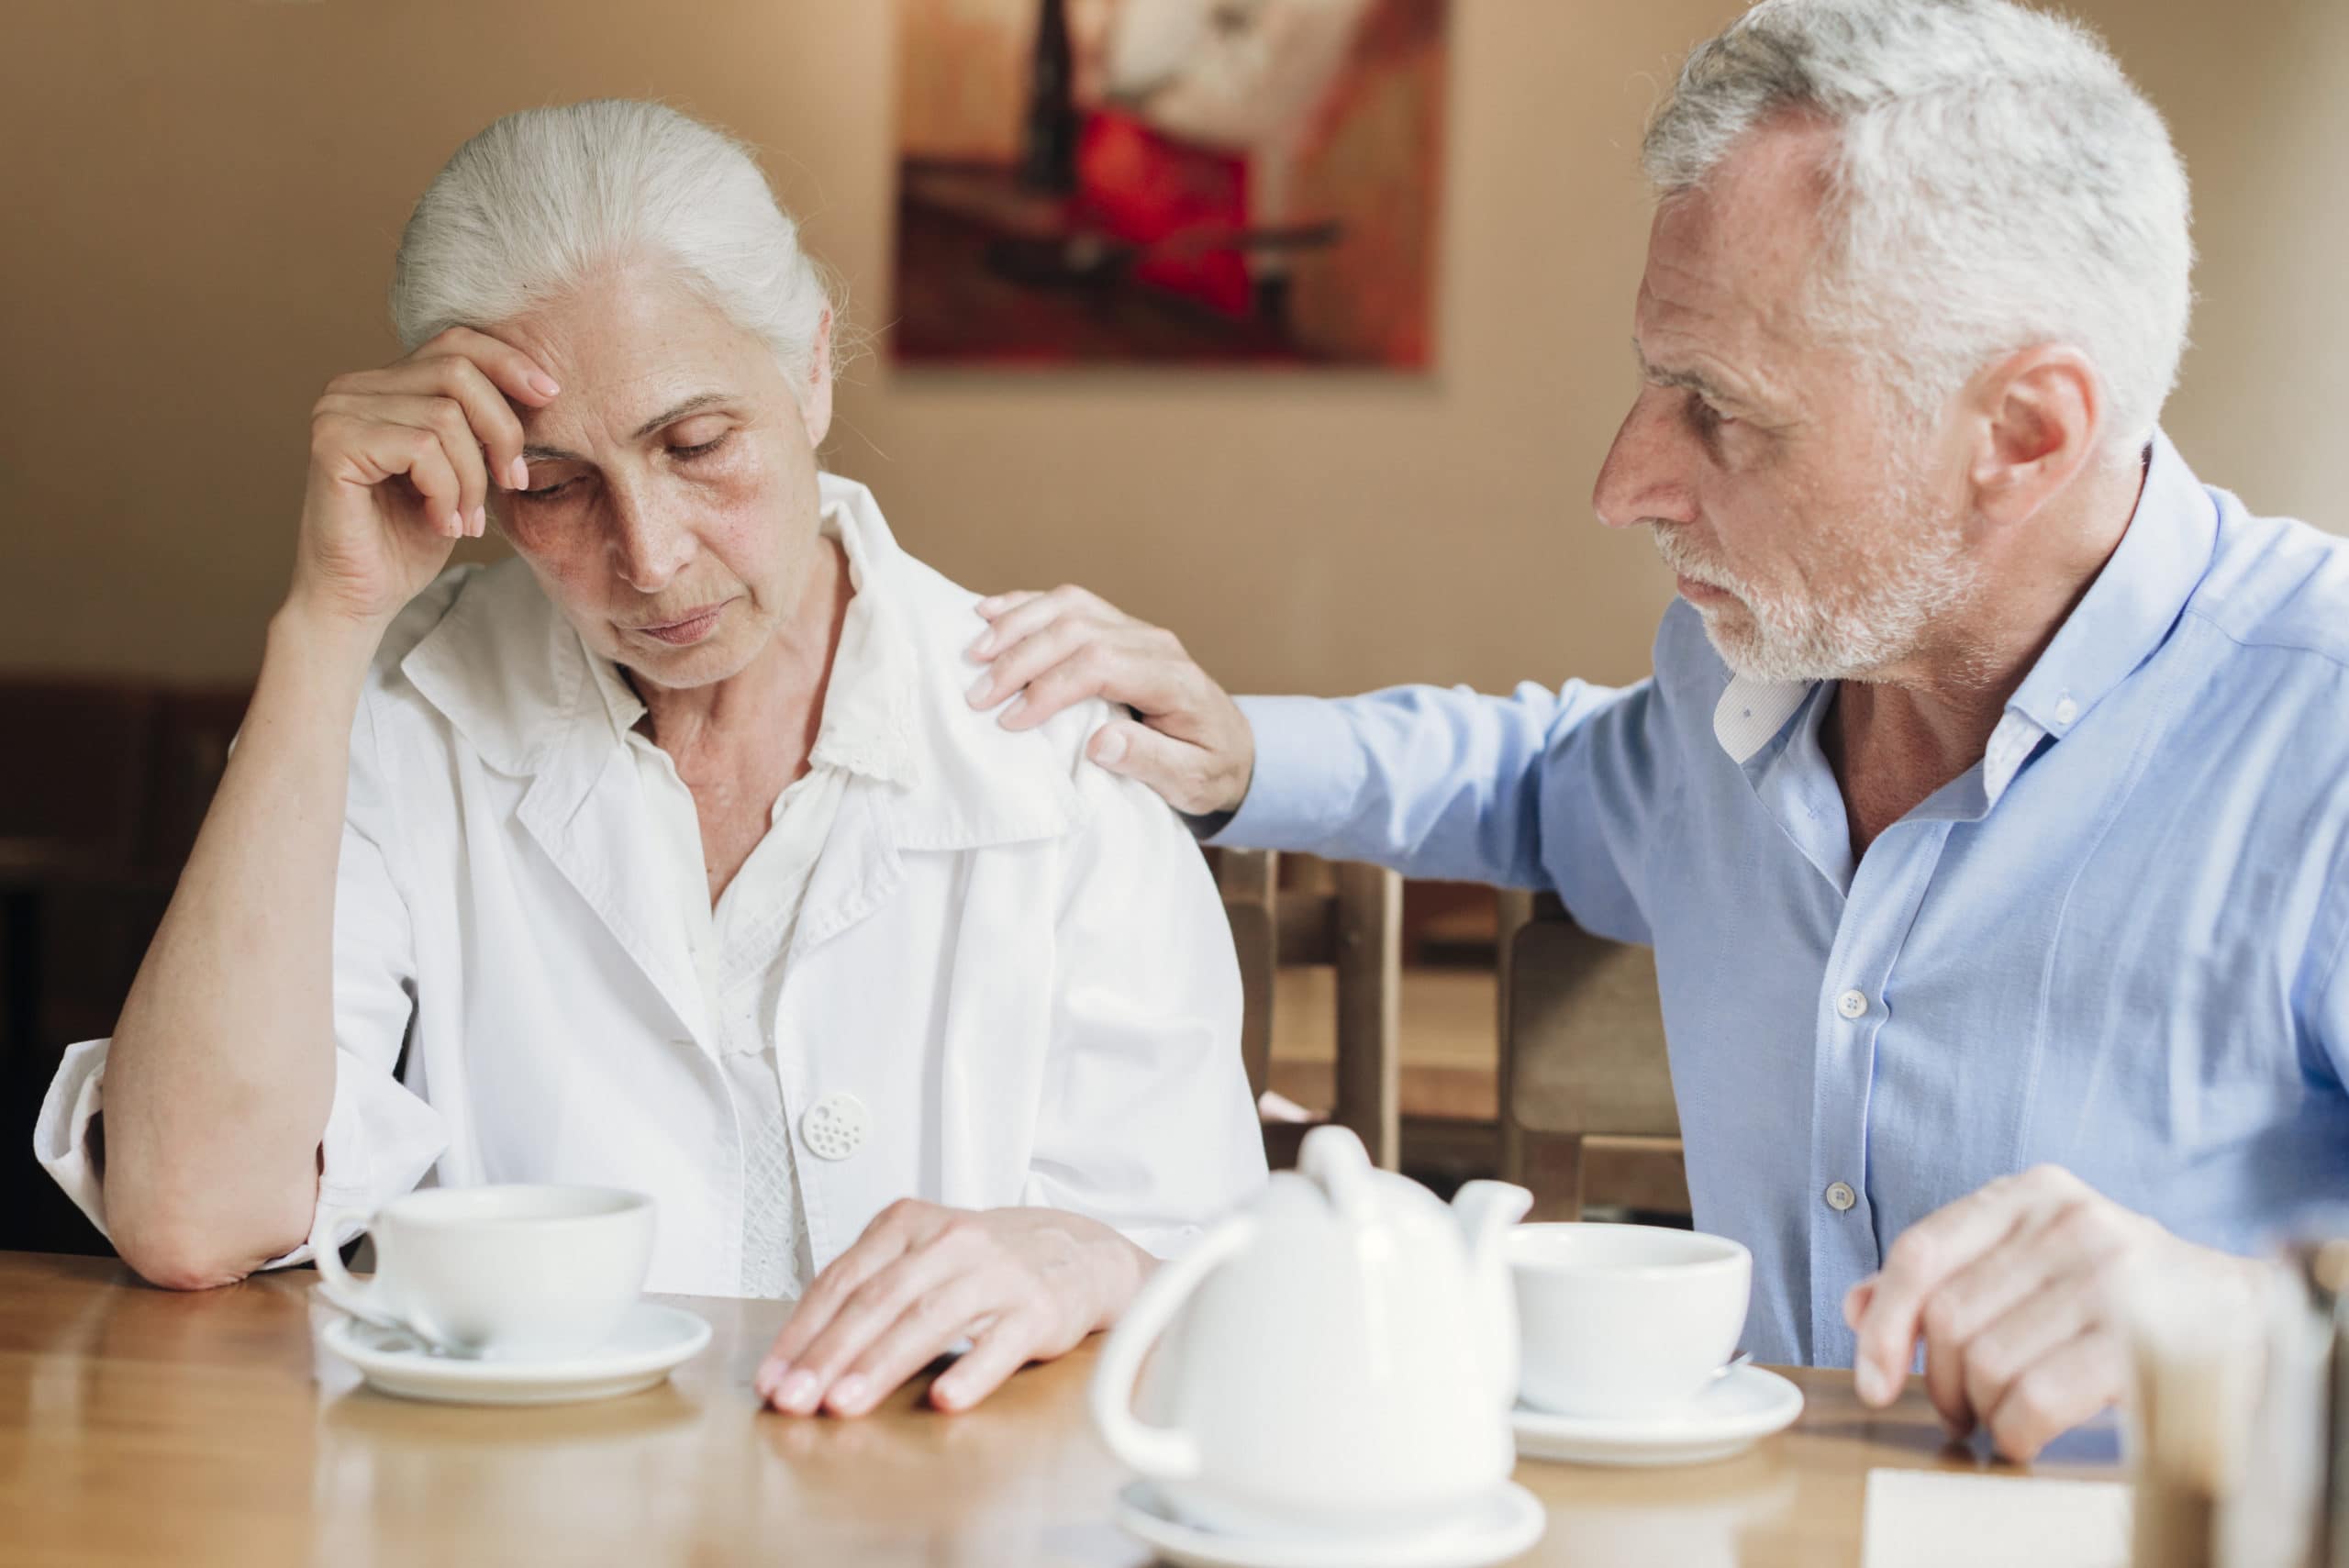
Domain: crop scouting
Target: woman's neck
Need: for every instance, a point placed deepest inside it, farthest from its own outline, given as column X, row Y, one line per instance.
column 770, row 711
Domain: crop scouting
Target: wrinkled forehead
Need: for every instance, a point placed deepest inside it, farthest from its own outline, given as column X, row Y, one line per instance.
column 628, row 347
column 1730, row 262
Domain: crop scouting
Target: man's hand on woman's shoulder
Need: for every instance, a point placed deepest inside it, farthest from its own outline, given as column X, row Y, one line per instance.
column 1188, row 740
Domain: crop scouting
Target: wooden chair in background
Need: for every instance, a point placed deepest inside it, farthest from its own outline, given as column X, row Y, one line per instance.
column 1354, row 924
column 1586, row 1113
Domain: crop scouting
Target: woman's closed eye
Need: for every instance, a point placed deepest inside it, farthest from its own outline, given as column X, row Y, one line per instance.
column 701, row 449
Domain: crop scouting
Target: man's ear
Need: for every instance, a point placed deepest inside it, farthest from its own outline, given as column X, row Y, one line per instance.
column 2038, row 418
column 816, row 397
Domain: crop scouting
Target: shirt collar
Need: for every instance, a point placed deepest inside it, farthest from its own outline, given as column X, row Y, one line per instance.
column 2129, row 610
column 2126, row 614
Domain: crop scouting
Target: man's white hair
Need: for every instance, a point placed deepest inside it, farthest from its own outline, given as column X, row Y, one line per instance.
column 1998, row 182
column 542, row 201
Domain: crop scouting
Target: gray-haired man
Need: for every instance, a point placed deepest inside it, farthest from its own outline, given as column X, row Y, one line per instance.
column 1988, row 808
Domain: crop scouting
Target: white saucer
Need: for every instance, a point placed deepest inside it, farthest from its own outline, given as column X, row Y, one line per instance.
column 649, row 1342
column 1746, row 1405
column 1492, row 1530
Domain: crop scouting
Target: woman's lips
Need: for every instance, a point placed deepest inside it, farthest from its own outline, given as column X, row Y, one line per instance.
column 682, row 633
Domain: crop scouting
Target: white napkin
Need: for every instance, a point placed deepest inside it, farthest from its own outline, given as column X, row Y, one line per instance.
column 1925, row 1518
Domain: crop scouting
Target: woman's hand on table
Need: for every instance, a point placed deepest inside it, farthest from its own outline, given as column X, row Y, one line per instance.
column 1190, row 743
column 2017, row 1293
column 402, row 461
column 1022, row 1285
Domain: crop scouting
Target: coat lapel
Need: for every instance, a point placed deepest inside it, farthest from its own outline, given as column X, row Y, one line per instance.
column 510, row 675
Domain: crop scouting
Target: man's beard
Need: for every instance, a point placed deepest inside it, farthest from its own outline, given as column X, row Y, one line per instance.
column 1906, row 571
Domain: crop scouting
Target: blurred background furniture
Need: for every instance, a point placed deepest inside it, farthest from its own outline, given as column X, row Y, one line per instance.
column 94, row 824
column 1588, row 1118
column 1346, row 918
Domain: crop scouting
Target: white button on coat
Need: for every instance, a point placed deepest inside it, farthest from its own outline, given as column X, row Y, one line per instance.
column 2066, row 711
column 1852, row 1004
column 835, row 1126
column 1839, row 1196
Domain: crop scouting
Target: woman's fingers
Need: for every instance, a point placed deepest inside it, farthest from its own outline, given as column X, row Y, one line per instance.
column 934, row 1320
column 513, row 373
column 868, row 1312
column 376, row 453
column 495, row 429
column 781, row 1379
column 447, row 422
column 995, row 1354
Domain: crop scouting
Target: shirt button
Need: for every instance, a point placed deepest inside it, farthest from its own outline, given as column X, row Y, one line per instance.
column 835, row 1126
column 1852, row 1005
column 1839, row 1196
column 2066, row 711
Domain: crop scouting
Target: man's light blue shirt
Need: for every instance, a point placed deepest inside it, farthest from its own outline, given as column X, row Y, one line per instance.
column 2115, row 944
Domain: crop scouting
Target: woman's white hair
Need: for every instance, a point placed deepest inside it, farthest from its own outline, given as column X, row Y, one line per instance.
column 1998, row 184
column 543, row 200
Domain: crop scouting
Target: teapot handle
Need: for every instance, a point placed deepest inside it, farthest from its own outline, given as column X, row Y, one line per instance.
column 1164, row 1454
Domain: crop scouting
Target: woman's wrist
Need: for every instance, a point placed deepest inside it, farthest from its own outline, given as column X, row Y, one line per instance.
column 1124, row 1268
column 317, row 633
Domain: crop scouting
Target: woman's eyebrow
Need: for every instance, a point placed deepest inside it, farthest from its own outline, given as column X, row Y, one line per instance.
column 534, row 453
column 694, row 404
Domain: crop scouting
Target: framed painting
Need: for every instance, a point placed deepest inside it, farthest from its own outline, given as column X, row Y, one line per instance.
column 1243, row 181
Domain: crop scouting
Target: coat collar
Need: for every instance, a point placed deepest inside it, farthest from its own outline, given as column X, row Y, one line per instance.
column 514, row 679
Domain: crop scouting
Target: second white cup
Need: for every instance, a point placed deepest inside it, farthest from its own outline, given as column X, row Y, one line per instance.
column 518, row 1272
column 1624, row 1321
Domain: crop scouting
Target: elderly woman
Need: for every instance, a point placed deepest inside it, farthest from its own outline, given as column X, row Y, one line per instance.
column 679, row 854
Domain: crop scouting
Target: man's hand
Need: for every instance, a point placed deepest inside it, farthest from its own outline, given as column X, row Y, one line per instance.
column 1021, row 1283
column 2015, row 1292
column 1193, row 745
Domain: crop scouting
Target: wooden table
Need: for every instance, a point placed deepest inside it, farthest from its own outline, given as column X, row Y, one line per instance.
column 146, row 1427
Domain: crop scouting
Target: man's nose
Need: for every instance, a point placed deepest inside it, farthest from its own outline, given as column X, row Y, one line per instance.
column 649, row 544
column 1647, row 475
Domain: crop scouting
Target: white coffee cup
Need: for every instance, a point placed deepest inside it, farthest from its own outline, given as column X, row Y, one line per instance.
column 515, row 1272
column 1624, row 1321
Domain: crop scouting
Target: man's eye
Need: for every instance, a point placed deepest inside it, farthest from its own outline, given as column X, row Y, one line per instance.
column 703, row 450
column 545, row 491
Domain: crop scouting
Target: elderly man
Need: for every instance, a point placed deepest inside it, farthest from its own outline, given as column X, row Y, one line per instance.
column 1989, row 807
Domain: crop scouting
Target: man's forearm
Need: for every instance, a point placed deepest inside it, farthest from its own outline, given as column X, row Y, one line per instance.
column 1437, row 782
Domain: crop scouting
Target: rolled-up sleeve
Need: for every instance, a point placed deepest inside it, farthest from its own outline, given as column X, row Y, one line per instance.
column 1147, row 1124
column 380, row 1138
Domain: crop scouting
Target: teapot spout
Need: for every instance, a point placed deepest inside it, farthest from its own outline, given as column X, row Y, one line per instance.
column 1486, row 1210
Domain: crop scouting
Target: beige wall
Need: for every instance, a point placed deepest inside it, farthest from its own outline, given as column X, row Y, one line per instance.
column 201, row 197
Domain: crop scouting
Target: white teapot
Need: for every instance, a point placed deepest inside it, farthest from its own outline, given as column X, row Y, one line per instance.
column 1343, row 1362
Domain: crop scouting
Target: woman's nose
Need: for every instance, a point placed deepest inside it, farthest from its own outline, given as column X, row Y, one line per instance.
column 1647, row 476
column 650, row 545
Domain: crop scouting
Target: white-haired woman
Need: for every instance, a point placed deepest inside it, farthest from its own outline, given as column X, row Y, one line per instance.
column 677, row 854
